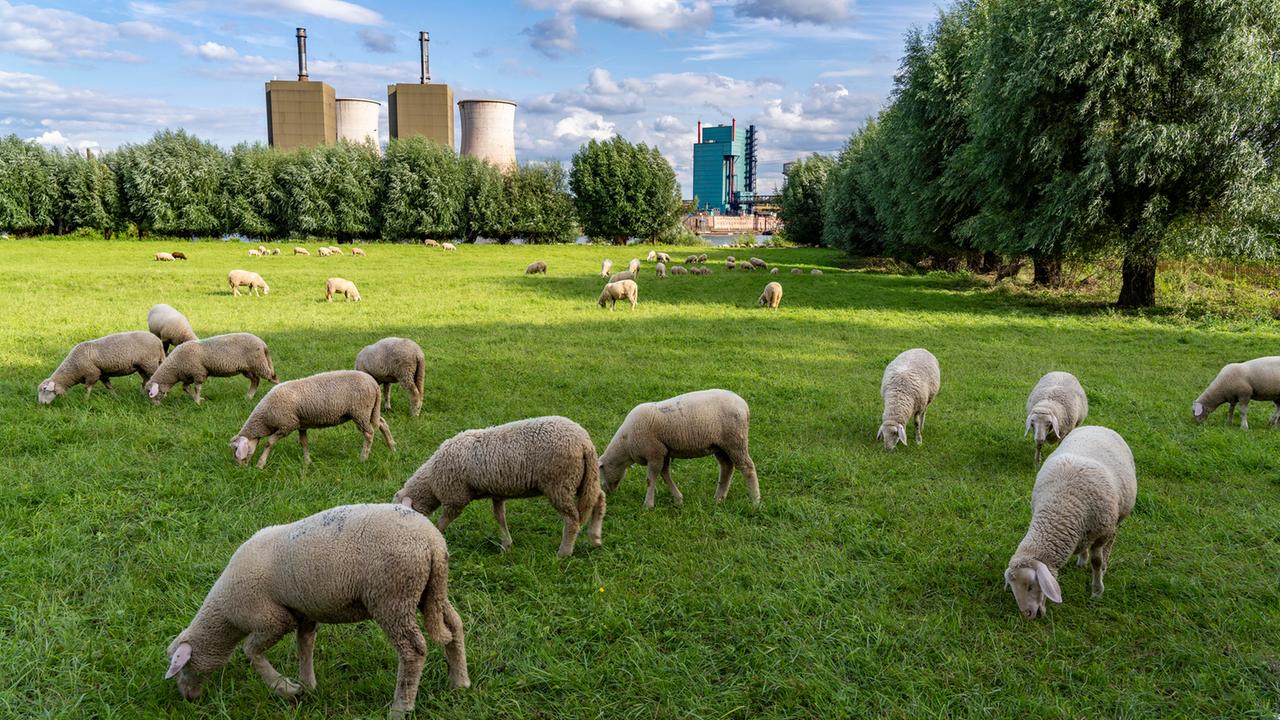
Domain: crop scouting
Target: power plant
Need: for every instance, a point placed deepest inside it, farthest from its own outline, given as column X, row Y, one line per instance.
column 488, row 131
column 300, row 112
column 358, row 120
column 724, row 168
column 424, row 108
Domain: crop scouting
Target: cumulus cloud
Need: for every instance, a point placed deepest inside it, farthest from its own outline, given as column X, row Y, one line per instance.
column 554, row 37
column 818, row 12
column 377, row 41
column 602, row 93
column 339, row 10
column 52, row 35
column 650, row 15
column 55, row 139
column 583, row 125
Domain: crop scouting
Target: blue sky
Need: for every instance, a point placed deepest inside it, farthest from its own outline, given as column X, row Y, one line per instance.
column 807, row 73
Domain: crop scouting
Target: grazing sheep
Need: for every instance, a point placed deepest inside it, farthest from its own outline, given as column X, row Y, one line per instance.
column 357, row 252
column 335, row 249
column 797, row 271
column 1082, row 493
column 252, row 280
column 536, row 268
column 702, row 270
column 1238, row 383
column 771, row 296
column 702, row 258
column 346, row 564
column 815, row 271
column 549, row 456
column 653, row 255
column 255, row 253
column 693, row 425
column 624, row 275
column 178, row 255
column 1056, row 403
column 164, row 257
column 615, row 291
column 660, row 269
column 664, row 258
column 679, row 270
column 262, row 249
column 325, row 252
column 275, row 251
column 102, row 359
column 773, row 271
column 301, row 251
column 634, row 266
column 731, row 259
column 430, row 243
column 191, row 363
column 729, row 263
column 746, row 267
column 757, row 262
column 605, row 266
column 323, row 400
column 399, row 360
column 910, row 383
column 169, row 325
column 447, row 246
column 338, row 286
column 690, row 260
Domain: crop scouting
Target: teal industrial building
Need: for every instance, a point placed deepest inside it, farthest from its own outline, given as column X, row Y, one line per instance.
column 724, row 167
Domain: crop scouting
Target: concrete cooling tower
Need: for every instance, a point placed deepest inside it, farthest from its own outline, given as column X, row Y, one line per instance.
column 358, row 120
column 488, row 131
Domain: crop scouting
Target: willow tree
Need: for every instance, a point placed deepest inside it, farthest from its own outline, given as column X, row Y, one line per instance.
column 623, row 190
column 802, row 199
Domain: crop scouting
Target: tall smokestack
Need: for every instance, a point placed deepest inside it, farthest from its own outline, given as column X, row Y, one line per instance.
column 302, row 53
column 733, row 132
column 699, row 132
column 423, row 38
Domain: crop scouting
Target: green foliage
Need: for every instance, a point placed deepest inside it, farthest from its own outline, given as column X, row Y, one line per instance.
column 623, row 190
column 540, row 205
column 423, row 186
column 802, row 199
column 853, row 203
column 485, row 212
column 251, row 202
column 172, row 184
column 88, row 195
column 28, row 186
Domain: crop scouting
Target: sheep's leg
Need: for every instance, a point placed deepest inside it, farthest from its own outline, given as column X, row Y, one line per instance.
column 500, row 514
column 401, row 627
column 1082, row 555
column 676, row 497
column 1244, row 413
column 653, row 469
column 272, row 439
column 367, row 429
column 199, row 394
column 455, row 653
column 235, row 291
column 726, row 475
column 748, row 470
column 920, row 425
column 1099, row 556
column 448, row 515
column 256, row 647
column 253, row 387
column 1231, row 412
column 88, row 387
column 568, row 509
column 406, row 382
column 188, row 389
column 386, row 397
column 306, row 653
column 386, row 433
column 306, row 449
column 1275, row 416
column 106, row 383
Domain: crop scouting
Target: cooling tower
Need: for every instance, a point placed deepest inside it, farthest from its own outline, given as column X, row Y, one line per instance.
column 488, row 131
column 358, row 120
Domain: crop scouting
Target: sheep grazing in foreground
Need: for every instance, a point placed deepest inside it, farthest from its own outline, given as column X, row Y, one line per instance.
column 324, row 252
column 664, row 258
column 1082, row 493
column 693, row 425
column 191, row 363
column 1057, row 403
column 1237, row 384
column 102, row 359
column 771, row 296
column 255, row 253
column 757, row 262
column 620, row 276
column 653, row 255
column 430, row 243
column 660, row 269
column 171, row 326
column 178, row 255
column 605, row 266
column 357, row 252
column 338, row 286
column 910, row 383
column 797, row 271
column 238, row 278
column 615, row 291
column 395, row 360
column 323, row 400
column 815, row 271
column 347, row 564
column 702, row 258
column 164, row 257
column 679, row 270
column 549, row 456
column 301, row 251
column 633, row 267
column 535, row 268
column 447, row 246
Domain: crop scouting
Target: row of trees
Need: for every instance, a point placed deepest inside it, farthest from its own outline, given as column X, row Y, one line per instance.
column 1069, row 128
column 177, row 184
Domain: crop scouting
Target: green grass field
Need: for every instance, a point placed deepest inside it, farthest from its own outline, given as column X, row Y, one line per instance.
column 867, row 584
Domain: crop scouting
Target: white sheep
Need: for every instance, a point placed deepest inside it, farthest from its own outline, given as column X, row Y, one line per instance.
column 549, row 456
column 430, row 243
column 102, row 359
column 535, row 268
column 1237, row 384
column 357, row 252
column 773, row 271
column 319, row 401
column 335, row 249
column 909, row 384
column 191, row 363
column 171, row 326
column 634, row 266
column 395, row 359
column 605, row 266
column 447, row 246
column 301, row 251
column 771, row 296
column 338, row 286
column 255, row 253
column 653, row 255
column 275, row 251
column 615, row 291
column 1083, row 491
column 350, row 563
column 620, row 276
column 324, row 251
column 693, row 425
column 664, row 258
column 797, row 271
column 757, row 262
column 1057, row 403
column 815, row 271
column 679, row 270
column 164, row 257
column 252, row 280
column 660, row 269
column 262, row 249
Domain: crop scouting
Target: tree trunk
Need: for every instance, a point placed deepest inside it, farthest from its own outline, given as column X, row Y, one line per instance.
column 1048, row 271
column 1138, row 288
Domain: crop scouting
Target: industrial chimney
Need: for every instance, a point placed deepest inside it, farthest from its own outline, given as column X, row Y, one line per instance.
column 423, row 39
column 302, row 54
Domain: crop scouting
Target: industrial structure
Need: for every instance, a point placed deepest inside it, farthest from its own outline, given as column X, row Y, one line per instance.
column 358, row 120
column 301, row 112
column 488, row 131
column 724, row 168
column 422, row 109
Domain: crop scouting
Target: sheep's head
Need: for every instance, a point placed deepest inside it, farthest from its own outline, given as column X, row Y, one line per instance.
column 355, row 295
column 1199, row 412
column 190, row 681
column 892, row 433
column 48, row 391
column 157, row 392
column 1042, row 423
column 611, row 474
column 1031, row 585
column 242, row 448
column 266, row 289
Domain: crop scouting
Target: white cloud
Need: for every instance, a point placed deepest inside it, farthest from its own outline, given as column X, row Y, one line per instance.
column 604, row 94
column 339, row 10
column 214, row 51
column 821, row 12
column 554, row 37
column 54, row 35
column 651, row 15
column 55, row 138
column 583, row 125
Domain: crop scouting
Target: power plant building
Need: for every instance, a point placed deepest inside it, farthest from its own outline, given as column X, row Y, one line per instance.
column 300, row 112
column 421, row 109
column 488, row 131
column 724, row 167
column 358, row 120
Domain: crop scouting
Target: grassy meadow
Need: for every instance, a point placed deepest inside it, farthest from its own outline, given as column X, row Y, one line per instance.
column 866, row 585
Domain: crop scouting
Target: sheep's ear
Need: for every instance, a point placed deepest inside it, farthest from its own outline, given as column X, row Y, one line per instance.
column 407, row 502
column 153, row 389
column 181, row 657
column 1197, row 409
column 902, row 434
column 1028, row 426
column 242, row 447
column 47, row 386
column 1008, row 583
column 880, row 432
column 1048, row 583
column 1053, row 421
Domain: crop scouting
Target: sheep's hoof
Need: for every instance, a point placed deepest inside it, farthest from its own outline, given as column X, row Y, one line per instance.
column 564, row 553
column 286, row 688
column 678, row 501
column 399, row 714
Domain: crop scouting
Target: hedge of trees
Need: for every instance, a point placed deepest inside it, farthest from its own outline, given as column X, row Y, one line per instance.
column 177, row 184
column 1047, row 129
